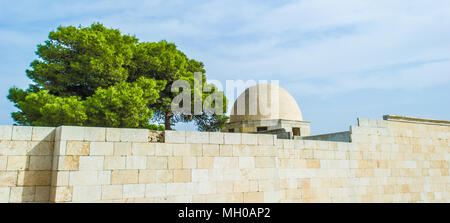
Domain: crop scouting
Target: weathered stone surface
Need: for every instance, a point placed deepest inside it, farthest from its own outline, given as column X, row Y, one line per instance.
column 94, row 134
column 22, row 132
column 5, row 132
column 197, row 137
column 216, row 137
column 43, row 134
column 175, row 137
column 79, row 148
column 232, row 138
column 124, row 177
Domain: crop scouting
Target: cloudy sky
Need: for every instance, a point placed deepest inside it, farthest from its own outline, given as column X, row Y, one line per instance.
column 339, row 59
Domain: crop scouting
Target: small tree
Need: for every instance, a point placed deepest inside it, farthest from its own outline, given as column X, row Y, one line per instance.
column 96, row 76
column 163, row 61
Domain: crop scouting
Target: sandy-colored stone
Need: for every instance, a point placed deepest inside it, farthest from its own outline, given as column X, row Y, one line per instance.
column 79, row 148
column 17, row 162
column 181, row 176
column 157, row 163
column 114, row 162
column 124, row 177
column 40, row 162
column 111, row 192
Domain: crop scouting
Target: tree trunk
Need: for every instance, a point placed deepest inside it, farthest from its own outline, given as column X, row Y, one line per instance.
column 167, row 119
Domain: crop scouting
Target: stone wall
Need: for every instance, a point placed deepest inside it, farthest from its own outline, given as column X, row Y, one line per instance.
column 386, row 161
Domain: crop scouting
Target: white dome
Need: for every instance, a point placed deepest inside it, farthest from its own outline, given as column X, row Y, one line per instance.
column 261, row 94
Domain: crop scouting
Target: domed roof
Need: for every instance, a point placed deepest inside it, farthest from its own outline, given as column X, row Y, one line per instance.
column 259, row 106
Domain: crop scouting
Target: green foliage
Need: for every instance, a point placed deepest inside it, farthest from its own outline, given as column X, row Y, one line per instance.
column 123, row 105
column 76, row 61
column 163, row 61
column 43, row 109
column 95, row 76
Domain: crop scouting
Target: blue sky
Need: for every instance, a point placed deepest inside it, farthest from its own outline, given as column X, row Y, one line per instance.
column 339, row 59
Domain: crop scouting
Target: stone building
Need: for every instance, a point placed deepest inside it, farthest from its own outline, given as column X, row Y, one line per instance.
column 268, row 109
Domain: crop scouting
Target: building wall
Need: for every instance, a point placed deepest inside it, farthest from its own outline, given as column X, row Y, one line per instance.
column 386, row 161
column 337, row 136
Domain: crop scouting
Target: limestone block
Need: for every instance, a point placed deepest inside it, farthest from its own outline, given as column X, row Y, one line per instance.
column 60, row 178
column 179, row 149
column 226, row 162
column 226, row 150
column 77, row 148
column 197, row 137
column 232, row 138
column 104, row 177
column 4, row 194
column 265, row 162
column 42, row 194
column 205, row 162
column 133, row 135
column 227, row 187
column 147, row 176
column 94, row 134
column 182, row 176
column 34, row 178
column 174, row 137
column 83, row 178
column 155, row 190
column 163, row 149
column 189, row 162
column 40, row 162
column 113, row 134
column 112, row 192
column 313, row 163
column 136, row 162
column 133, row 190
column 91, row 162
column 61, row 194
column 22, row 132
column 210, row 150
column 264, row 139
column 196, row 150
column 3, row 162
column 216, row 138
column 143, row 149
column 175, row 162
column 177, row 189
column 70, row 133
column 43, row 134
column 86, row 193
column 199, row 175
column 254, row 197
column 41, row 148
column 266, row 185
column 164, row 176
column 22, row 194
column 363, row 122
column 241, row 186
column 101, row 149
column 5, row 132
column 17, row 163
column 249, row 139
column 67, row 162
column 244, row 150
column 59, row 148
column 246, row 162
column 205, row 187
column 122, row 148
column 157, row 163
column 124, row 176
column 8, row 178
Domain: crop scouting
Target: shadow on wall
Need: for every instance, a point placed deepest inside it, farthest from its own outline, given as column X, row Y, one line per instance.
column 34, row 181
